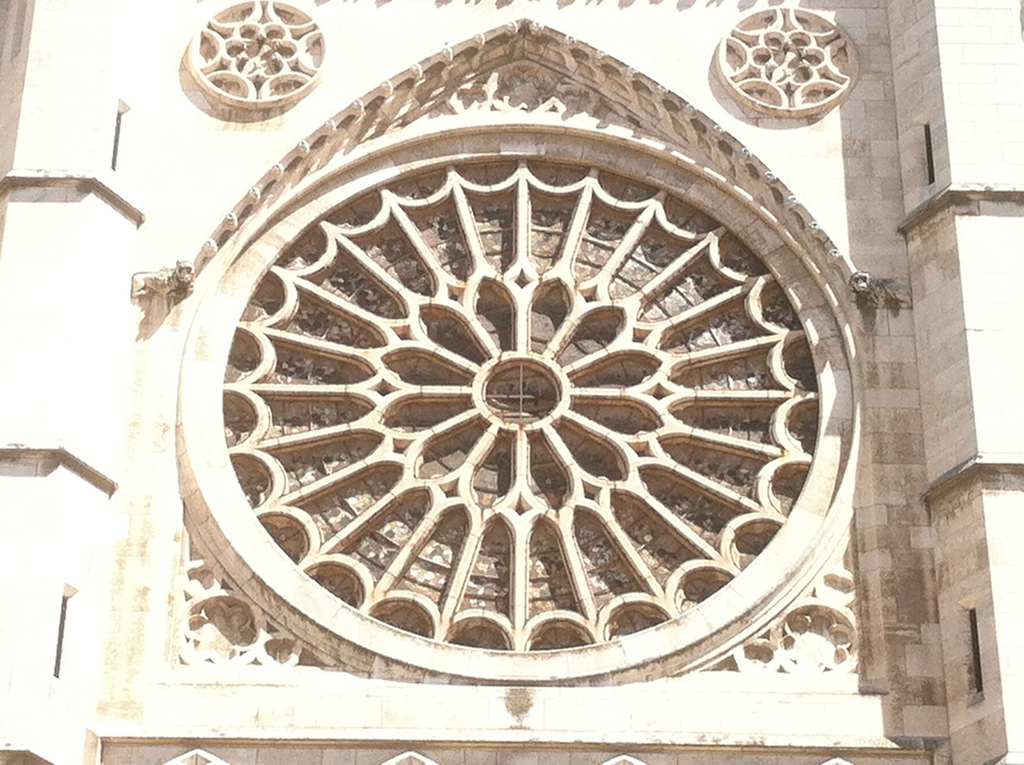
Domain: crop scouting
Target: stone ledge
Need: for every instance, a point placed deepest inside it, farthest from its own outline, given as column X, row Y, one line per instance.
column 974, row 467
column 89, row 184
column 48, row 459
column 966, row 199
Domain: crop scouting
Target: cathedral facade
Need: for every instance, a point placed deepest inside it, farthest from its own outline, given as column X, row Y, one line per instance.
column 531, row 381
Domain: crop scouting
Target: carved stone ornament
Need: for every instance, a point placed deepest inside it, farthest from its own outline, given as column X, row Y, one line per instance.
column 817, row 634
column 261, row 53
column 175, row 284
column 535, row 404
column 879, row 291
column 787, row 62
column 220, row 626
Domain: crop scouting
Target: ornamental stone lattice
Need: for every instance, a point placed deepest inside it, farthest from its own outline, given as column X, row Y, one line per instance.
column 520, row 406
column 257, row 54
column 788, row 62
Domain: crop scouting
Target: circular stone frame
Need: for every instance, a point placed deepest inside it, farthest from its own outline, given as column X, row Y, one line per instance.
column 222, row 522
column 257, row 55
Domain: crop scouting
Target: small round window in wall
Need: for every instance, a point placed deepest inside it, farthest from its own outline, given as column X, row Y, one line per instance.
column 257, row 55
column 787, row 62
column 520, row 406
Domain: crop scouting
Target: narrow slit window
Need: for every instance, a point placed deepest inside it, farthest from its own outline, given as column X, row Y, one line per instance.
column 974, row 680
column 122, row 109
column 929, row 153
column 60, row 634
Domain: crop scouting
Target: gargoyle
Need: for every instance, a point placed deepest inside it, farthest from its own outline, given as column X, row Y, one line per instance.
column 878, row 291
column 173, row 283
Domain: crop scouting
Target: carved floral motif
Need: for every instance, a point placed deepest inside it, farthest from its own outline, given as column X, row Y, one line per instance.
column 817, row 634
column 221, row 627
column 258, row 53
column 787, row 61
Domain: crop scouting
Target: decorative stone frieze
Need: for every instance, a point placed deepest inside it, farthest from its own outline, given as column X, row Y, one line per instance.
column 787, row 62
column 257, row 54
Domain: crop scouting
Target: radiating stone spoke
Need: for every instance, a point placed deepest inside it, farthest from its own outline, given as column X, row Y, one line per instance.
column 534, row 395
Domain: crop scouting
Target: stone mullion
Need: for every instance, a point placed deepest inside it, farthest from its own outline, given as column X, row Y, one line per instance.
column 344, row 306
column 521, row 485
column 521, row 263
column 626, row 549
column 730, row 442
column 663, row 281
column 710, row 486
column 574, row 564
column 335, row 350
column 323, row 484
column 469, row 229
column 383, row 278
column 577, row 226
column 359, row 523
column 412, row 233
column 570, row 550
column 691, row 537
column 602, row 281
column 316, row 436
column 459, row 577
column 520, row 584
column 738, row 348
column 698, row 311
column 407, row 552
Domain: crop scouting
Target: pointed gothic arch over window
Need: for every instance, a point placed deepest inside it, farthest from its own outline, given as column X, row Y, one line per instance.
column 409, row 758
column 580, row 335
column 196, row 757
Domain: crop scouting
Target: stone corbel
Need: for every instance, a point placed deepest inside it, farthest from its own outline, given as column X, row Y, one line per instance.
column 879, row 291
column 174, row 284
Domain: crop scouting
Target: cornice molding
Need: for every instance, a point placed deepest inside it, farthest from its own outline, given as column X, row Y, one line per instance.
column 89, row 184
column 57, row 456
column 965, row 199
column 974, row 467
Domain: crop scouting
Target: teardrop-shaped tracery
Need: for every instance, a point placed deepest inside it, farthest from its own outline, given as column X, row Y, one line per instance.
column 520, row 406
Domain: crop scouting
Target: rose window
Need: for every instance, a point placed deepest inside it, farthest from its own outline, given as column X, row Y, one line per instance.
column 520, row 406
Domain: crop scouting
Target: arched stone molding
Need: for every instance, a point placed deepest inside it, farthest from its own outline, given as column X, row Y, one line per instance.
column 197, row 757
column 837, row 761
column 440, row 113
column 409, row 758
column 577, row 84
column 624, row 759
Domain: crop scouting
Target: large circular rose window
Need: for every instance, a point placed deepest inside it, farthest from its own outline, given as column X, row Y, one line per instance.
column 520, row 406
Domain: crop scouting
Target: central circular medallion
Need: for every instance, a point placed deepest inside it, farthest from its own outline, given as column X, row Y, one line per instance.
column 520, row 391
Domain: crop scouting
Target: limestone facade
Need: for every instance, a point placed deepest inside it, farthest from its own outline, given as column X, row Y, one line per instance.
column 411, row 383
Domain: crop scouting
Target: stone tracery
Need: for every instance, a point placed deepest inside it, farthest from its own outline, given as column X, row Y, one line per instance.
column 520, row 406
column 257, row 53
column 787, row 61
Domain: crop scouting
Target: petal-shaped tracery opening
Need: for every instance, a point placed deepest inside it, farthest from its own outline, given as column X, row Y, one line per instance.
column 550, row 585
column 661, row 547
column 340, row 581
column 490, row 582
column 608, row 574
column 551, row 304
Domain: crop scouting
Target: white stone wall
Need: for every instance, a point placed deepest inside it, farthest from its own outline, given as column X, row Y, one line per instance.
column 84, row 368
